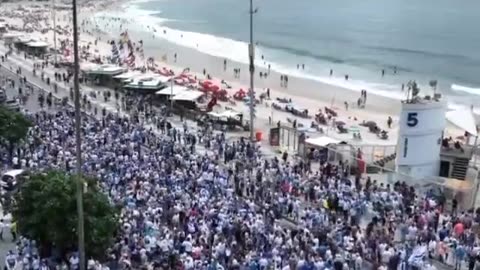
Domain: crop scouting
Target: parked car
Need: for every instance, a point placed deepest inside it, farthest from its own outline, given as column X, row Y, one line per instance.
column 13, row 105
column 10, row 179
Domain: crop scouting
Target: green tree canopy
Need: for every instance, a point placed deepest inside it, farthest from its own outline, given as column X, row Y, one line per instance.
column 45, row 210
column 13, row 127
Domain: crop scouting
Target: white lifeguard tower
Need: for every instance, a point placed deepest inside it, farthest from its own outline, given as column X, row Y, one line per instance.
column 421, row 126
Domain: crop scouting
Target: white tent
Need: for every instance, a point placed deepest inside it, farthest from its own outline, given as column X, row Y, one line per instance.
column 321, row 141
column 463, row 119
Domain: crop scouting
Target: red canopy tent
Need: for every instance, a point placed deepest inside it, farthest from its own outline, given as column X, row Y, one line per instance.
column 240, row 94
column 191, row 80
column 181, row 82
column 213, row 88
column 165, row 72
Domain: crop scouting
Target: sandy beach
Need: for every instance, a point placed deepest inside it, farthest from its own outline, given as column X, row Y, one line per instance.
column 312, row 95
column 305, row 93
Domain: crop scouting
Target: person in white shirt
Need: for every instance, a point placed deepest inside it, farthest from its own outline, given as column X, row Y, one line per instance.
column 10, row 260
column 74, row 261
column 36, row 262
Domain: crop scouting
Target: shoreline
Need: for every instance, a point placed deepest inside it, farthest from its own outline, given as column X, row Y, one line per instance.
column 311, row 93
column 459, row 93
column 308, row 94
column 297, row 86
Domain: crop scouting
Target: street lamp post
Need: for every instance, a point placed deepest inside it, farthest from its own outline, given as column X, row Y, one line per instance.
column 251, row 54
column 78, row 141
column 171, row 93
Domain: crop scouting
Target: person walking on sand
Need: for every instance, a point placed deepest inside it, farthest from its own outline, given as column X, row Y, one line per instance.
column 175, row 57
column 389, row 122
column 268, row 69
column 286, row 81
column 204, row 72
column 383, row 72
column 224, row 64
column 346, row 106
column 331, row 72
column 281, row 80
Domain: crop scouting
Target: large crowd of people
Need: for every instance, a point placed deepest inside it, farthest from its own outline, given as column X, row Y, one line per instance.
column 194, row 199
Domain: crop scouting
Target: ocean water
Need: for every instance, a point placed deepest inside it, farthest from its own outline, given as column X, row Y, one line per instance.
column 423, row 40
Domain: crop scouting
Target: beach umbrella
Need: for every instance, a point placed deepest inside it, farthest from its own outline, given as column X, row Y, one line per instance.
column 130, row 61
column 214, row 88
column 180, row 82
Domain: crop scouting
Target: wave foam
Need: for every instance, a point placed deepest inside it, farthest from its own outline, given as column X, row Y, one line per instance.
column 209, row 44
column 466, row 89
column 238, row 51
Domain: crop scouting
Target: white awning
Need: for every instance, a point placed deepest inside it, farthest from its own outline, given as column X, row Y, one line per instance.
column 175, row 90
column 321, row 141
column 37, row 44
column 128, row 75
column 191, row 95
column 96, row 69
column 463, row 119
column 226, row 114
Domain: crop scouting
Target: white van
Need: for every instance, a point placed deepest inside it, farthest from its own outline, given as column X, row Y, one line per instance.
column 10, row 178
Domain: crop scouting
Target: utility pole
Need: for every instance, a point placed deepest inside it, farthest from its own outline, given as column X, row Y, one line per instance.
column 54, row 15
column 251, row 54
column 171, row 93
column 78, row 142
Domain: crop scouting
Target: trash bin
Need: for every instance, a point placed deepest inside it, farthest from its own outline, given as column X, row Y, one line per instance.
column 258, row 136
